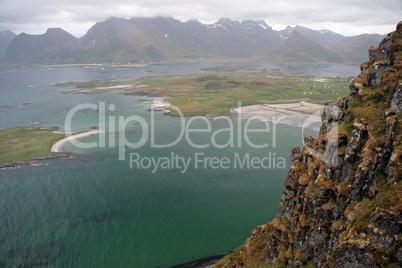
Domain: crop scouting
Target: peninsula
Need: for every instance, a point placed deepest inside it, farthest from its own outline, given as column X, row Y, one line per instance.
column 217, row 92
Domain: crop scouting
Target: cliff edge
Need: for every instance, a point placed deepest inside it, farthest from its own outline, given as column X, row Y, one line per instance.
column 342, row 202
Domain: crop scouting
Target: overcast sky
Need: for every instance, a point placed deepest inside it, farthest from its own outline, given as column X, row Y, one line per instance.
column 347, row 17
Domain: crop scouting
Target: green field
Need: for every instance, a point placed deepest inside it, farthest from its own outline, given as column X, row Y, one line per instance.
column 232, row 68
column 216, row 93
column 201, row 94
column 21, row 143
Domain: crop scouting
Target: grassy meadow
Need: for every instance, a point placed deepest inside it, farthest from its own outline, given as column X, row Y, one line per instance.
column 213, row 93
column 216, row 92
column 21, row 143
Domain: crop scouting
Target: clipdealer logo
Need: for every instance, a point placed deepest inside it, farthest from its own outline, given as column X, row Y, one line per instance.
column 238, row 135
column 203, row 161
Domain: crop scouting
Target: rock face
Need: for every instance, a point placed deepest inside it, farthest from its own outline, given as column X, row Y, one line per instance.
column 396, row 103
column 342, row 202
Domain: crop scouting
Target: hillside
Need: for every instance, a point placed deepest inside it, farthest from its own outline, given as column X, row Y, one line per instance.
column 297, row 48
column 323, row 37
column 158, row 39
column 38, row 48
column 341, row 205
column 148, row 39
column 354, row 48
column 5, row 39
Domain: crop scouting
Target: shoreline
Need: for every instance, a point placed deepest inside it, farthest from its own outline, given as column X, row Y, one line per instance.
column 207, row 262
column 159, row 104
column 300, row 110
column 56, row 147
column 29, row 161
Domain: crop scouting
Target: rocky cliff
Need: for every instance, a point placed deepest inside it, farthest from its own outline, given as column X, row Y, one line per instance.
column 342, row 202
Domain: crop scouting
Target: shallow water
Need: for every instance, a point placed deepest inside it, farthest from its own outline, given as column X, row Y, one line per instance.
column 96, row 211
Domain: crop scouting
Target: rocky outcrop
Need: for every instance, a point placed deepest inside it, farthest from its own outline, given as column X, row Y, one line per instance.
column 30, row 161
column 341, row 206
column 396, row 103
column 382, row 51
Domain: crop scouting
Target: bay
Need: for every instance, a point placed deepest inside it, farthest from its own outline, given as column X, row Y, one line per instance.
column 96, row 211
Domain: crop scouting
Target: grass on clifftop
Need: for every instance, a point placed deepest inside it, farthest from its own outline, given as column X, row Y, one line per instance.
column 21, row 143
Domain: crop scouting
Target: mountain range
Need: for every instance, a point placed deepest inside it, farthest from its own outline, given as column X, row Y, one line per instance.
column 299, row 48
column 166, row 39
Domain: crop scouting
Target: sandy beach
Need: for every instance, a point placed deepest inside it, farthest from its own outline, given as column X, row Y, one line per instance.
column 159, row 104
column 299, row 109
column 56, row 147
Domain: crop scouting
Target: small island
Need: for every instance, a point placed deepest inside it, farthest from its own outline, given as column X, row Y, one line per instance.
column 23, row 145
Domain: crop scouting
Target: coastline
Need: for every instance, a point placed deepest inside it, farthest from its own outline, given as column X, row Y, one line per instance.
column 159, row 104
column 297, row 109
column 207, row 262
column 56, row 147
column 29, row 161
column 301, row 110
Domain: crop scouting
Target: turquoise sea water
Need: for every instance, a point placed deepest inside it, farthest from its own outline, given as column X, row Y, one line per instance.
column 96, row 211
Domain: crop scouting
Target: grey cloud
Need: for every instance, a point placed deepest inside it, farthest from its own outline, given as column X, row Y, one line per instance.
column 17, row 15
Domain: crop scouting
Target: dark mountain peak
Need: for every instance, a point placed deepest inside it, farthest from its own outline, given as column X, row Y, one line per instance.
column 8, row 33
column 26, row 47
column 251, row 22
column 107, row 29
column 159, row 20
column 354, row 48
column 326, row 31
column 5, row 39
column 322, row 37
column 163, row 21
column 285, row 33
column 54, row 30
column 296, row 34
column 226, row 22
column 299, row 48
column 298, row 39
column 255, row 23
column 262, row 22
column 165, row 38
column 114, row 19
column 59, row 33
column 167, row 18
column 53, row 36
column 194, row 23
column 299, row 27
